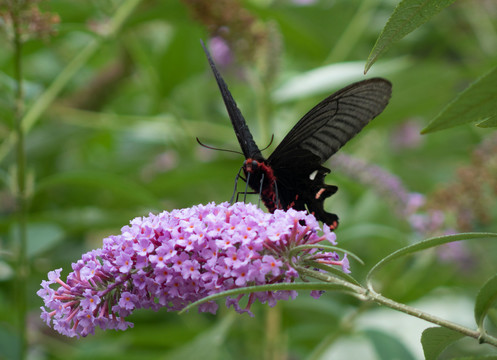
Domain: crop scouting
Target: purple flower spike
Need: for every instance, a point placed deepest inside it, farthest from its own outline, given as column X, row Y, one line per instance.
column 175, row 258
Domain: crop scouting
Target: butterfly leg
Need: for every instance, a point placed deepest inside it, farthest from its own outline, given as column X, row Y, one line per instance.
column 236, row 185
column 246, row 187
column 244, row 192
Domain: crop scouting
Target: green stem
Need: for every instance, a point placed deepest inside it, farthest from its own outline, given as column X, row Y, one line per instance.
column 370, row 295
column 380, row 299
column 22, row 266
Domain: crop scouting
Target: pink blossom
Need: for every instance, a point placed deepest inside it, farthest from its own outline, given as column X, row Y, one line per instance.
column 175, row 258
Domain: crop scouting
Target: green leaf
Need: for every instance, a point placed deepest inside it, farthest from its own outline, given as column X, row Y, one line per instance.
column 6, row 270
column 436, row 339
column 41, row 237
column 407, row 16
column 323, row 247
column 484, row 300
column 271, row 287
column 489, row 123
column 387, row 346
column 209, row 343
column 477, row 102
column 492, row 317
column 426, row 244
column 337, row 272
column 9, row 342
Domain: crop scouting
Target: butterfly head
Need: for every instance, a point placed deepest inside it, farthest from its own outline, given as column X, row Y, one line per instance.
column 251, row 166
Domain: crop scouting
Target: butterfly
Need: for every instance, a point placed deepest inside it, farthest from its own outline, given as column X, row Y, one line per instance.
column 292, row 176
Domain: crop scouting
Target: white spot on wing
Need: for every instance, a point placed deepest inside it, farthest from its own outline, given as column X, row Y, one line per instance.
column 313, row 175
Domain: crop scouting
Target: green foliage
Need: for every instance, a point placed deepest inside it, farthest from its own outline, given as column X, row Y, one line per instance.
column 436, row 339
column 408, row 16
column 388, row 346
column 210, row 343
column 112, row 105
column 477, row 102
column 485, row 300
column 426, row 244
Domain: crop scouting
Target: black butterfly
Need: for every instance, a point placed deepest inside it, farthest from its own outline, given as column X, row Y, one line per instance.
column 292, row 176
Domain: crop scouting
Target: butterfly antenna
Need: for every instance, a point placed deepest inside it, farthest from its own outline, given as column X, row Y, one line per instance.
column 270, row 142
column 219, row 149
column 236, row 185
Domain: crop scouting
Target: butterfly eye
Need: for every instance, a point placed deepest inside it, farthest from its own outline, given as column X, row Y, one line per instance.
column 250, row 165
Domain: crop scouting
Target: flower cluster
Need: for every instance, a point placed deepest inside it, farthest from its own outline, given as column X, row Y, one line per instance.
column 175, row 258
column 241, row 31
column 25, row 18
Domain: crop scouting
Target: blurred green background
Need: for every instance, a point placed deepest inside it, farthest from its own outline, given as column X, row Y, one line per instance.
column 118, row 141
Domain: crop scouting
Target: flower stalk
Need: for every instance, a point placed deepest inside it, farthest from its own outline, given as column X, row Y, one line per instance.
column 370, row 295
column 21, row 195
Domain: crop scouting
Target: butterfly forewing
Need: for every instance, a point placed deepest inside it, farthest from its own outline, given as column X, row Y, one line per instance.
column 334, row 121
column 247, row 143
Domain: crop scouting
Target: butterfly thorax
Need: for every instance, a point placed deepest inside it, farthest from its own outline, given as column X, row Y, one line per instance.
column 261, row 179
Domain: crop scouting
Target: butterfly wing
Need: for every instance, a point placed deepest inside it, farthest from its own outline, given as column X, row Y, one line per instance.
column 334, row 121
column 247, row 143
column 328, row 126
